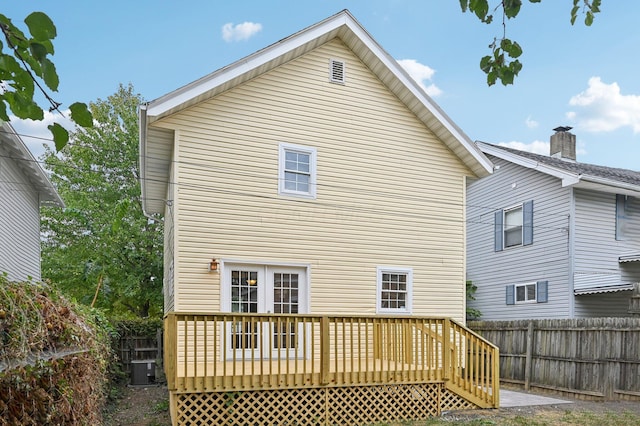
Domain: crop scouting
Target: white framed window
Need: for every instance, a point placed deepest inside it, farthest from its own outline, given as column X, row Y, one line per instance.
column 395, row 290
column 533, row 292
column 526, row 293
column 513, row 227
column 297, row 170
column 622, row 222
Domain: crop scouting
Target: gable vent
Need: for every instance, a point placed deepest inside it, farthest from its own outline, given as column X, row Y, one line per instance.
column 336, row 71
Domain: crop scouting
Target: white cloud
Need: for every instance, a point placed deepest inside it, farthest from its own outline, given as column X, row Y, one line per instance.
column 35, row 134
column 536, row 147
column 240, row 31
column 531, row 123
column 422, row 74
column 603, row 108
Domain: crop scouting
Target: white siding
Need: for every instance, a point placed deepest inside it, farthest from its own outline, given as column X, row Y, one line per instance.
column 389, row 192
column 603, row 305
column 546, row 259
column 19, row 223
column 597, row 252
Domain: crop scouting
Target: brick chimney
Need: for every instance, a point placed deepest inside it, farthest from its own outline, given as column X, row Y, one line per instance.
column 563, row 144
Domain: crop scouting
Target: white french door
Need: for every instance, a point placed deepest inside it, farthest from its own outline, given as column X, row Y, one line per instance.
column 264, row 289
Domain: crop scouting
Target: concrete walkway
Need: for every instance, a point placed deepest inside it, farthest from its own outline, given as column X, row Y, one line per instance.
column 509, row 398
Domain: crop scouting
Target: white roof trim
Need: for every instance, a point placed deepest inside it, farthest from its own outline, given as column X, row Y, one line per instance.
column 342, row 25
column 339, row 22
column 623, row 187
column 47, row 193
column 180, row 96
column 567, row 178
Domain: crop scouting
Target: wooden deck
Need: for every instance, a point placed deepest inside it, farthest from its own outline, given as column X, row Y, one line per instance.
column 302, row 355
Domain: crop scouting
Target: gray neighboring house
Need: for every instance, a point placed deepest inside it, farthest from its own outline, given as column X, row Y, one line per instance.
column 549, row 237
column 24, row 187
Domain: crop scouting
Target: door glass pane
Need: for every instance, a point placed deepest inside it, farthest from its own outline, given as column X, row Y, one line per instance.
column 244, row 291
column 285, row 301
column 244, row 298
column 285, row 293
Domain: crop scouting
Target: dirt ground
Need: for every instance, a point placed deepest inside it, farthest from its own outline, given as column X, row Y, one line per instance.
column 149, row 406
column 140, row 406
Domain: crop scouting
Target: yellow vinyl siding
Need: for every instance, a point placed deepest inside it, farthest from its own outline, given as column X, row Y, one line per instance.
column 169, row 246
column 389, row 192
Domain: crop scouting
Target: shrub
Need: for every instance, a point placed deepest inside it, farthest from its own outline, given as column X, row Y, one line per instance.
column 53, row 357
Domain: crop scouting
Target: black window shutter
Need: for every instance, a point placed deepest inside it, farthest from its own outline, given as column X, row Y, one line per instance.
column 527, row 223
column 498, row 230
column 511, row 298
column 542, row 293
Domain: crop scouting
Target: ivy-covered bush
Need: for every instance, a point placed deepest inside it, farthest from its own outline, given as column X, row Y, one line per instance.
column 54, row 357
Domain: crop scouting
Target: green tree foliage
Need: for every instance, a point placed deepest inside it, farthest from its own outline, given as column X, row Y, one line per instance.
column 503, row 63
column 101, row 243
column 472, row 313
column 25, row 66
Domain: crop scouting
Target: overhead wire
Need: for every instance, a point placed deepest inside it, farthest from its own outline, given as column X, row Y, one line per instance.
column 347, row 191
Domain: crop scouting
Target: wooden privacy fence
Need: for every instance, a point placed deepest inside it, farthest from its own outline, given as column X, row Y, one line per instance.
column 232, row 352
column 594, row 358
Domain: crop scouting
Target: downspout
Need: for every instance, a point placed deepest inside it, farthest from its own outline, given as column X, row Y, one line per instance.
column 142, row 122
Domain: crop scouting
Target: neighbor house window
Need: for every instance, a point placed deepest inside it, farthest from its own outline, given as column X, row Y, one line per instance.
column 525, row 293
column 514, row 226
column 394, row 290
column 297, row 171
column 535, row 292
column 621, row 216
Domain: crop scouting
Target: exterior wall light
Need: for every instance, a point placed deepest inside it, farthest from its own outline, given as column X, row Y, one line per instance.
column 213, row 265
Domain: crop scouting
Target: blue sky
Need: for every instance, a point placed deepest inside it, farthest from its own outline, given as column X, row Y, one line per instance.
column 584, row 77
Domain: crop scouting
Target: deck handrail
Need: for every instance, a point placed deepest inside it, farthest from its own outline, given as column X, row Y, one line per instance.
column 249, row 351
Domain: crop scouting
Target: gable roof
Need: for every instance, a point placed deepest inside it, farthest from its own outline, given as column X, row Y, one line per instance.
column 154, row 168
column 25, row 161
column 572, row 173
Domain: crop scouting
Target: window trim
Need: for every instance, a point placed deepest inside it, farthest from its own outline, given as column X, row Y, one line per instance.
column 542, row 293
column 500, row 224
column 504, row 226
column 408, row 309
column 283, row 148
column 526, row 301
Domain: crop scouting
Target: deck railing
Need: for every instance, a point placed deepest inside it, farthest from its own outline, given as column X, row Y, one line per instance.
column 233, row 352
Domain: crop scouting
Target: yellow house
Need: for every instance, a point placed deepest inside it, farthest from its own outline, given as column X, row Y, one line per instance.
column 314, row 206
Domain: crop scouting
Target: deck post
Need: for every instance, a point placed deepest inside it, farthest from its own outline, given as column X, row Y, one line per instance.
column 496, row 378
column 170, row 345
column 325, row 350
column 446, row 348
column 408, row 342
